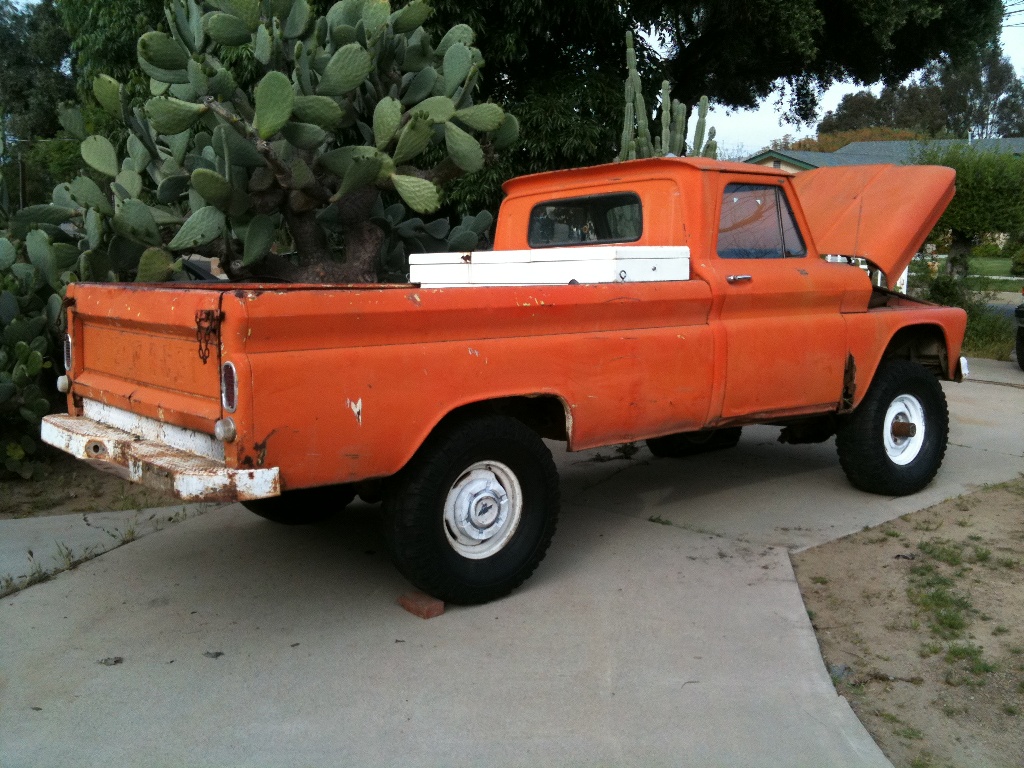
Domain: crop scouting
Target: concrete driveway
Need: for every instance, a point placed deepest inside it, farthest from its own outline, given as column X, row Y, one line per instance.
column 665, row 627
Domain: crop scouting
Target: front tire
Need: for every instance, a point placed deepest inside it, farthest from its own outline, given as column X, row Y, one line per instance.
column 894, row 442
column 472, row 514
column 692, row 443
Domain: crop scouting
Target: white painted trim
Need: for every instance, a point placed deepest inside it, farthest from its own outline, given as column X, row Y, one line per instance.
column 188, row 476
column 551, row 266
column 187, row 440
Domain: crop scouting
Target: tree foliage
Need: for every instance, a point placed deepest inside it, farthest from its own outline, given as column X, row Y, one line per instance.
column 558, row 65
column 830, row 142
column 738, row 53
column 104, row 36
column 33, row 58
column 988, row 197
column 977, row 97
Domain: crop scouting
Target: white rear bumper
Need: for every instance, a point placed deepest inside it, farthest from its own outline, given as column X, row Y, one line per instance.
column 188, row 476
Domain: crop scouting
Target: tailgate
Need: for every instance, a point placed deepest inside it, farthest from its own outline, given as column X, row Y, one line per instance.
column 150, row 350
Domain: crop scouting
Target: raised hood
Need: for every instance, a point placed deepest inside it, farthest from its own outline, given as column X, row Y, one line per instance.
column 882, row 213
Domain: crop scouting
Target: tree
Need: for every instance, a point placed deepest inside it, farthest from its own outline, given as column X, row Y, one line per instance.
column 103, row 38
column 33, row 57
column 738, row 53
column 830, row 142
column 558, row 65
column 987, row 200
column 977, row 97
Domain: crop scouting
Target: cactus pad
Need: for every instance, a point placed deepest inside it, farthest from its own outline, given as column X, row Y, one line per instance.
column 345, row 71
column 202, row 227
column 419, row 194
column 274, row 99
column 99, row 153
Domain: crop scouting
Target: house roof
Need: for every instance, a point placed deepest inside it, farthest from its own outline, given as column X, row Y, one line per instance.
column 876, row 152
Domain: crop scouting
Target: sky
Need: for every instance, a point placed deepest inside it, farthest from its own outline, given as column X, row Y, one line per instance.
column 744, row 133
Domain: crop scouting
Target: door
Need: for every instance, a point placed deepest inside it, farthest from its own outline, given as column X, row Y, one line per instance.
column 786, row 342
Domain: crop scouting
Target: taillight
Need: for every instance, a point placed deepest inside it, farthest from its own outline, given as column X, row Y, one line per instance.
column 67, row 353
column 228, row 387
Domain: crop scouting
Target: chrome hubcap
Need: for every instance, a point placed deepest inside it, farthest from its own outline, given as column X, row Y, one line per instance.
column 483, row 509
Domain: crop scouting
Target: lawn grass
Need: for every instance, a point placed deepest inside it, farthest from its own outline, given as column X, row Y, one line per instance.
column 989, row 267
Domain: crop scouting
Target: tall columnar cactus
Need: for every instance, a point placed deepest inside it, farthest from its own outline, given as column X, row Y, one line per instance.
column 358, row 115
column 636, row 135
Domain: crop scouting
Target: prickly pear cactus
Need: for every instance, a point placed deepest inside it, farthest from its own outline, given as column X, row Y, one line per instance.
column 636, row 135
column 357, row 118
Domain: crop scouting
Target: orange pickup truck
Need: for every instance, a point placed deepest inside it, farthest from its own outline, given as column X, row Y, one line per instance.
column 666, row 300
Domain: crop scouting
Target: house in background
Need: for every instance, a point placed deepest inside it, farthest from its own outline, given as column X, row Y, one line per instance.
column 873, row 152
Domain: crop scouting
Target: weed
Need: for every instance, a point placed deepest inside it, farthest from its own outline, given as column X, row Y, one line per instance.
column 971, row 654
column 930, row 591
column 1000, row 630
column 819, row 580
column 924, row 760
column 982, row 554
column 129, row 534
column 1011, row 710
column 960, row 652
column 926, row 576
column 974, row 537
column 36, row 575
column 927, row 525
column 627, row 450
column 659, row 520
column 929, row 649
column 955, row 680
column 944, row 551
column 1016, row 650
column 1007, row 562
column 810, row 615
column 909, row 733
column 889, row 717
column 964, row 522
column 64, row 556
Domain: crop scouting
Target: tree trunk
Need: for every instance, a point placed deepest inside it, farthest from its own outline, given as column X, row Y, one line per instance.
column 959, row 251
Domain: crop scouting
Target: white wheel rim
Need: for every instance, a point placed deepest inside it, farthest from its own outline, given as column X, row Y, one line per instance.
column 483, row 509
column 905, row 409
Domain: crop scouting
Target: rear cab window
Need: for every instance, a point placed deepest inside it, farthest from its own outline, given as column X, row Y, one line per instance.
column 592, row 220
column 757, row 222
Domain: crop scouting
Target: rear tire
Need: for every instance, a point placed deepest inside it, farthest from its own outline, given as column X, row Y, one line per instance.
column 303, row 506
column 691, row 443
column 876, row 449
column 472, row 514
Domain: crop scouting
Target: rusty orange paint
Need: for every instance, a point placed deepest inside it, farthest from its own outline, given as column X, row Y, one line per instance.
column 882, row 213
column 344, row 383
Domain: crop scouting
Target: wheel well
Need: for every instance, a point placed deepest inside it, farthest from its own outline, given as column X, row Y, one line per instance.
column 544, row 414
column 922, row 344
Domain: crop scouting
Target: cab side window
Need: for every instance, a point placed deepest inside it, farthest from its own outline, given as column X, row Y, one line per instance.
column 614, row 218
column 757, row 223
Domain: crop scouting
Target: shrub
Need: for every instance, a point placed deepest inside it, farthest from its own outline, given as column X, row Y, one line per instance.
column 986, row 251
column 29, row 314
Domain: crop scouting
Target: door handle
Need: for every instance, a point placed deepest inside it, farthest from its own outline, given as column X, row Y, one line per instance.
column 733, row 279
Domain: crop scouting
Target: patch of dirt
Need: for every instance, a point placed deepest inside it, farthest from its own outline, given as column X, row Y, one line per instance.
column 921, row 625
column 66, row 485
